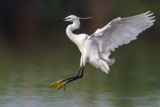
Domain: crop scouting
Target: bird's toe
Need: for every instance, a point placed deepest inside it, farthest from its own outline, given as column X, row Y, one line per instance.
column 61, row 85
column 55, row 83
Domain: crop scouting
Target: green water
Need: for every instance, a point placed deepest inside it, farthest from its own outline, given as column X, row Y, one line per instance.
column 133, row 81
column 35, row 52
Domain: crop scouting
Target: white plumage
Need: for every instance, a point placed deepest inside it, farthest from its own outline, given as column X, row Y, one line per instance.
column 122, row 30
column 96, row 48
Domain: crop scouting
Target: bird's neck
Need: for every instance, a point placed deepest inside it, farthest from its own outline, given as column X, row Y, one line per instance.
column 75, row 25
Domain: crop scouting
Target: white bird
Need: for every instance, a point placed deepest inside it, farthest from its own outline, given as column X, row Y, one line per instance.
column 97, row 47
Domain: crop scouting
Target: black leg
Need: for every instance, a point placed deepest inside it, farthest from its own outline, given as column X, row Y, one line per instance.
column 65, row 81
column 79, row 76
column 74, row 76
column 82, row 73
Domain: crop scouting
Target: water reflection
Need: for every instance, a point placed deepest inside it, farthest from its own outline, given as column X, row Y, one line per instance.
column 133, row 80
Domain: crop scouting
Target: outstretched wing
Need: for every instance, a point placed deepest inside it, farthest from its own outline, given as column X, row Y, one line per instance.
column 122, row 30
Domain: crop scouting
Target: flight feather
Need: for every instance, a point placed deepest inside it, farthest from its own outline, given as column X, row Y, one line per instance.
column 122, row 30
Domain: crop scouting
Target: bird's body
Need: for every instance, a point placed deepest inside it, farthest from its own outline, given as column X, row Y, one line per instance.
column 97, row 47
column 88, row 47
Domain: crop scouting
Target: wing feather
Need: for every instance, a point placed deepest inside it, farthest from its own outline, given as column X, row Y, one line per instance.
column 122, row 30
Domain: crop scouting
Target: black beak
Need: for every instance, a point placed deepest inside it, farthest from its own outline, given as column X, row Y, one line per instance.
column 63, row 19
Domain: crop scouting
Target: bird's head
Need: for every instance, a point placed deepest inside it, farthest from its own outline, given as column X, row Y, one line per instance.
column 71, row 18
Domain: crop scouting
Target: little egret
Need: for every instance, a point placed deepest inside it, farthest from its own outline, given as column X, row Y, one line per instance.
column 97, row 47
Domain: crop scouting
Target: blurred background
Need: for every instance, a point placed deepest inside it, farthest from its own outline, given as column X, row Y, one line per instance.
column 35, row 52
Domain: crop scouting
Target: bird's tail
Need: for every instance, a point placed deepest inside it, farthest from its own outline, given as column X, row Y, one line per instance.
column 103, row 66
column 110, row 61
column 105, row 57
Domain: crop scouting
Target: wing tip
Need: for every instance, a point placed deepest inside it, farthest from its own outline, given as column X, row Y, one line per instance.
column 147, row 12
column 150, row 15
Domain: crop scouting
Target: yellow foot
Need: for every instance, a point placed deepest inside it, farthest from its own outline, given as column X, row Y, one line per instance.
column 61, row 85
column 55, row 83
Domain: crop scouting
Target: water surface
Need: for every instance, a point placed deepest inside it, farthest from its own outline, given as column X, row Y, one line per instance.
column 133, row 81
